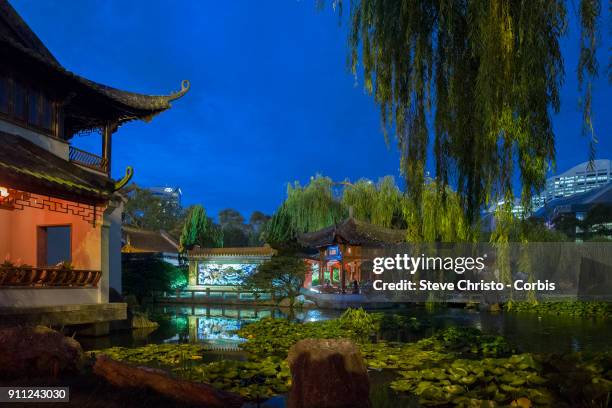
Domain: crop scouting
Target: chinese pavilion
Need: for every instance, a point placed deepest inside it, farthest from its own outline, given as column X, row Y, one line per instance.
column 60, row 210
column 344, row 251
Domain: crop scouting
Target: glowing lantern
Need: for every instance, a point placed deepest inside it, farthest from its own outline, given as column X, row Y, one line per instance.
column 4, row 192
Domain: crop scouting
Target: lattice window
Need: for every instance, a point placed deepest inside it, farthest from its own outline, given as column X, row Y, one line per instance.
column 11, row 199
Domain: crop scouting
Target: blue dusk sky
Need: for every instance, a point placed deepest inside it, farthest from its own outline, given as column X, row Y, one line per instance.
column 271, row 98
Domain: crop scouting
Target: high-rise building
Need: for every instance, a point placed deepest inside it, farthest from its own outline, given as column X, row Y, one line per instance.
column 578, row 179
column 170, row 194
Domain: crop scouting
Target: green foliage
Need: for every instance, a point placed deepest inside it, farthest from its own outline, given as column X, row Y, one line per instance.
column 359, row 323
column 235, row 231
column 148, row 212
column 305, row 209
column 274, row 337
column 397, row 322
column 438, row 217
column 282, row 276
column 472, row 341
column 155, row 355
column 379, row 204
column 463, row 367
column 238, row 234
column 490, row 75
column 454, row 367
column 253, row 380
column 573, row 308
column 543, row 380
column 200, row 230
column 257, row 222
column 466, row 383
column 142, row 275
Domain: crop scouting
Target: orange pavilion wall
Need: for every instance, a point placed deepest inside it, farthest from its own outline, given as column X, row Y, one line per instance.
column 18, row 230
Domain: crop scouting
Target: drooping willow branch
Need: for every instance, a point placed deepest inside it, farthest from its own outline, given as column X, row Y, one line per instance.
column 487, row 72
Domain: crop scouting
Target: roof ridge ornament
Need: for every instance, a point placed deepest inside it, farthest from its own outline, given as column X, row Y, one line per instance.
column 129, row 172
column 185, row 86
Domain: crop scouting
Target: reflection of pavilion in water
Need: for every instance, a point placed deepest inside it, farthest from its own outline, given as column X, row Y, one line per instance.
column 345, row 251
column 218, row 324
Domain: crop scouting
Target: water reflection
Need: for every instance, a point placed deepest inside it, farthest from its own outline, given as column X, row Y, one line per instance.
column 216, row 325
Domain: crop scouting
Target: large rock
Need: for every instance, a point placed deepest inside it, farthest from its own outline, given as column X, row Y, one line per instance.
column 328, row 374
column 37, row 351
column 126, row 375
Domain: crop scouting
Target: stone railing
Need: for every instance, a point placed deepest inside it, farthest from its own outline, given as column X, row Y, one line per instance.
column 52, row 277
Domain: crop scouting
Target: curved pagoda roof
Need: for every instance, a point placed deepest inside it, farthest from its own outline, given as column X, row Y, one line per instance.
column 138, row 240
column 352, row 232
column 32, row 168
column 87, row 104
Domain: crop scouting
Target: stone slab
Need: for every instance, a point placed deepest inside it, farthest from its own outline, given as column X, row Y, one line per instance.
column 63, row 315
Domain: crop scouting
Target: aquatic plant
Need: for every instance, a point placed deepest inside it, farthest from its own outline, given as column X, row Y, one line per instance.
column 359, row 323
column 256, row 379
column 253, row 380
column 159, row 355
column 398, row 322
column 455, row 366
column 568, row 308
column 463, row 382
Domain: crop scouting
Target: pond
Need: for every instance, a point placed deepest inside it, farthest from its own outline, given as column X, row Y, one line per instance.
column 215, row 324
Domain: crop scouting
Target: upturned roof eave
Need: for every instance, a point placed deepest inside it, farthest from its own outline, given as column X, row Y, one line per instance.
column 134, row 105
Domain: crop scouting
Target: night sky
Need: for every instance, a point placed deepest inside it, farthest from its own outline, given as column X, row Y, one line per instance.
column 271, row 98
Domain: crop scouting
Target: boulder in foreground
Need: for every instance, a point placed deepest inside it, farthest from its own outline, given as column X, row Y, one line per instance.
column 328, row 373
column 37, row 351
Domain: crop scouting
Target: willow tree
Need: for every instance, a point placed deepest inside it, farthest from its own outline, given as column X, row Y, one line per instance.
column 437, row 218
column 486, row 75
column 199, row 229
column 305, row 209
column 315, row 206
column 379, row 204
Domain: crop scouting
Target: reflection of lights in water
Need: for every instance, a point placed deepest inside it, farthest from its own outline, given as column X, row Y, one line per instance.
column 313, row 316
column 218, row 328
column 173, row 339
column 576, row 346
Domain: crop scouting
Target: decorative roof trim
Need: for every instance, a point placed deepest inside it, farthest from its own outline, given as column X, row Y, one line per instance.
column 243, row 252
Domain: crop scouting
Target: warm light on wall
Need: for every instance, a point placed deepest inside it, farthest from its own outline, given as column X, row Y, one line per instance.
column 4, row 192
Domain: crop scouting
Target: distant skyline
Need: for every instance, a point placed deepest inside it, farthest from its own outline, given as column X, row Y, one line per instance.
column 271, row 98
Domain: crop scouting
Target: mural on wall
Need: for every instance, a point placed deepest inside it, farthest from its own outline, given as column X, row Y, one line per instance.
column 224, row 274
